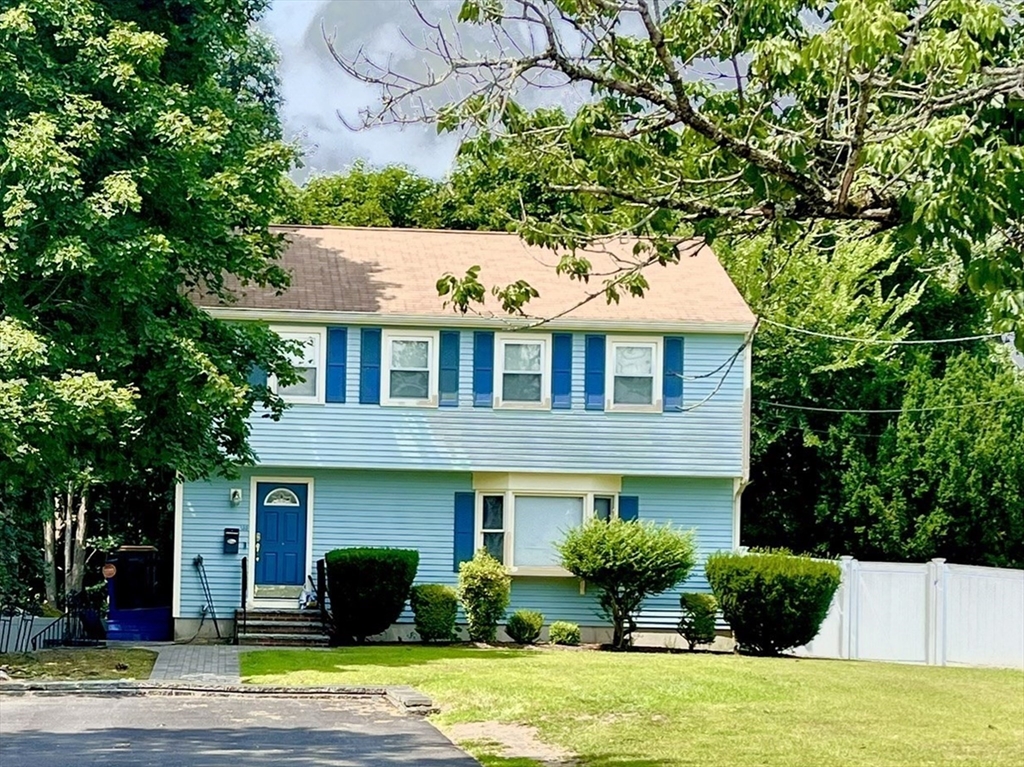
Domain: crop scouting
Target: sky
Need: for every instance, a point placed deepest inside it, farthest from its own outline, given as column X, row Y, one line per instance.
column 315, row 88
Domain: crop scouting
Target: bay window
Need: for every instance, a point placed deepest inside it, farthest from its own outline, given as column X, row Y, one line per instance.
column 521, row 526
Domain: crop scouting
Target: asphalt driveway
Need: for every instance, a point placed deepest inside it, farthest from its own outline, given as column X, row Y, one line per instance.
column 217, row 731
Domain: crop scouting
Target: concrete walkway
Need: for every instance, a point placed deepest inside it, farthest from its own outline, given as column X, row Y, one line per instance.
column 217, row 664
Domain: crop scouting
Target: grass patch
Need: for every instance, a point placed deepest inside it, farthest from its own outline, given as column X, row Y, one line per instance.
column 76, row 664
column 659, row 710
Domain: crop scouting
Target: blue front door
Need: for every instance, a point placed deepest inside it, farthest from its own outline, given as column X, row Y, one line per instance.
column 281, row 533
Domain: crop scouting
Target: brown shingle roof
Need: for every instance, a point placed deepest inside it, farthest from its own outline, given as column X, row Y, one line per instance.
column 395, row 271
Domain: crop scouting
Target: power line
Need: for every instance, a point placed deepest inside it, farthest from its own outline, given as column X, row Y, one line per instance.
column 891, row 410
column 881, row 341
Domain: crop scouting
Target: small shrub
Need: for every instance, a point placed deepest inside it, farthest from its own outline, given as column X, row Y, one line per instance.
column 434, row 608
column 368, row 588
column 484, row 590
column 627, row 562
column 524, row 626
column 773, row 601
column 698, row 622
column 563, row 632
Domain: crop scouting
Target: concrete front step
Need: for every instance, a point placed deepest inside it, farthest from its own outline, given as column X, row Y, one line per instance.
column 281, row 627
column 267, row 639
column 291, row 616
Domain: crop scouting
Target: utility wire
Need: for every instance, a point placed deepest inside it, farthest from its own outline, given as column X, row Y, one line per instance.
column 881, row 341
column 892, row 410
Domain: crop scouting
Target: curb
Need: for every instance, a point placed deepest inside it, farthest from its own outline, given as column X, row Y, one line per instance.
column 405, row 699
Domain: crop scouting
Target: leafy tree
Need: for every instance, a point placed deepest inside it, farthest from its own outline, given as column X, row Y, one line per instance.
column 364, row 196
column 715, row 119
column 139, row 162
column 627, row 562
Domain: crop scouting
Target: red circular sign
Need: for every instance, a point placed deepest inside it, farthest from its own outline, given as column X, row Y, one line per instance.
column 109, row 570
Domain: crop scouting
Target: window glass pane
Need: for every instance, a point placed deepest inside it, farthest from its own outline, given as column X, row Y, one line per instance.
column 634, row 361
column 634, row 391
column 494, row 517
column 520, row 387
column 410, row 355
column 307, row 356
column 406, row 384
column 494, row 543
column 541, row 522
column 603, row 508
column 522, row 358
column 306, row 387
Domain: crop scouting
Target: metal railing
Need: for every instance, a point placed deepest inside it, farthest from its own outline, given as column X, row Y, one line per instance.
column 15, row 631
column 321, row 598
column 245, row 598
column 79, row 626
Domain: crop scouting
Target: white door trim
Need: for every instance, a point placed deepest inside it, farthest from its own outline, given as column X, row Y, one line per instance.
column 251, row 601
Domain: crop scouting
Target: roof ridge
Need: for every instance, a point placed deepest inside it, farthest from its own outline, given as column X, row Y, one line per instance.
column 403, row 229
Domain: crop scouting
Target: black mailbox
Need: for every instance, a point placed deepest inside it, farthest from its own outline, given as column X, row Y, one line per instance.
column 230, row 540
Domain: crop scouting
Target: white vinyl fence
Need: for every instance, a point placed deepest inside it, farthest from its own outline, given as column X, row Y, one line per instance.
column 933, row 613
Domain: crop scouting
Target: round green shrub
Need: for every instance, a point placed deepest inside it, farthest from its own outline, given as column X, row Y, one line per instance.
column 773, row 601
column 523, row 626
column 627, row 562
column 434, row 608
column 484, row 590
column 698, row 622
column 563, row 632
column 368, row 589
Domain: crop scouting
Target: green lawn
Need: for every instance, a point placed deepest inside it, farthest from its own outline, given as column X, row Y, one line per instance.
column 80, row 663
column 643, row 710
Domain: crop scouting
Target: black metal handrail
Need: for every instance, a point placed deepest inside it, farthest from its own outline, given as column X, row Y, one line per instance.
column 245, row 597
column 18, row 625
column 79, row 626
column 321, row 597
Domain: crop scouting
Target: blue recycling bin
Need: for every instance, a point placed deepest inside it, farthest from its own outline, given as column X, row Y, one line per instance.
column 140, row 601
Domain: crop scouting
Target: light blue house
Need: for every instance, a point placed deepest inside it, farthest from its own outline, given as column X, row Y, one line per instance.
column 422, row 428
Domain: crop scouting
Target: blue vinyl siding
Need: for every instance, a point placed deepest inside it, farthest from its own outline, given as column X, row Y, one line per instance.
column 416, row 509
column 706, row 441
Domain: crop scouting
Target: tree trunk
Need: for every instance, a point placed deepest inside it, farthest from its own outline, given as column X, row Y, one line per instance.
column 50, row 556
column 77, row 578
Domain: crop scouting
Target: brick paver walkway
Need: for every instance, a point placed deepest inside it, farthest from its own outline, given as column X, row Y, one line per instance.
column 197, row 663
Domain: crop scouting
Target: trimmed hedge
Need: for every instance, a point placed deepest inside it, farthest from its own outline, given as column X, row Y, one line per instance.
column 774, row 601
column 434, row 608
column 484, row 590
column 368, row 589
column 563, row 632
column 523, row 626
column 697, row 625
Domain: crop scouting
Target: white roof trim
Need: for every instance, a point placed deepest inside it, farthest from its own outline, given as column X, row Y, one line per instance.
column 471, row 320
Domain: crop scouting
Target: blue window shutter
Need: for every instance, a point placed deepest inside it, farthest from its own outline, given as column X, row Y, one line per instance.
column 629, row 508
column 593, row 379
column 448, row 377
column 561, row 371
column 483, row 368
column 369, row 362
column 672, row 378
column 465, row 517
column 257, row 376
column 337, row 351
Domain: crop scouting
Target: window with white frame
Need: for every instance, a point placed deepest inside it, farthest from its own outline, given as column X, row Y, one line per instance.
column 409, row 369
column 309, row 364
column 523, row 367
column 633, row 370
column 522, row 529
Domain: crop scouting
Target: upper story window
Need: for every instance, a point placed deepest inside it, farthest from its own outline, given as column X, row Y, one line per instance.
column 523, row 367
column 409, row 369
column 633, row 370
column 309, row 364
